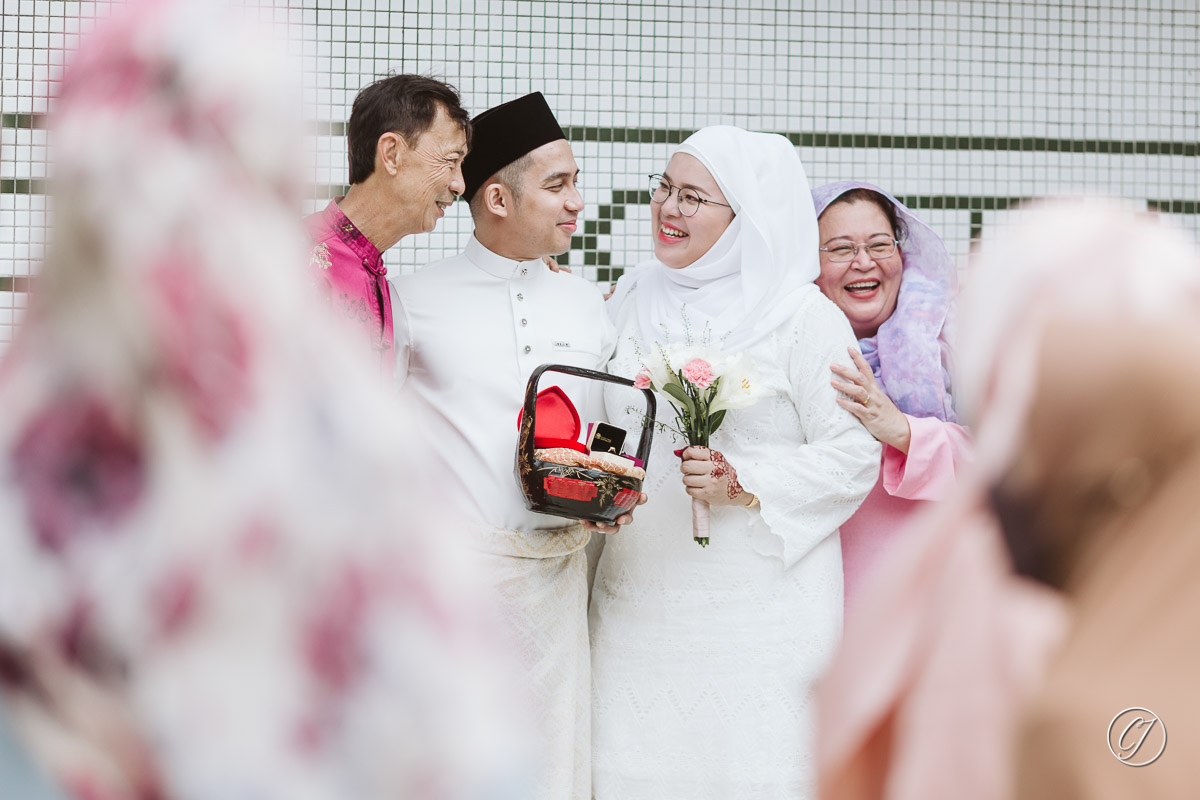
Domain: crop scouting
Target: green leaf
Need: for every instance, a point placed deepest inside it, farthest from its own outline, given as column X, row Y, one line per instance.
column 715, row 421
column 679, row 394
column 676, row 391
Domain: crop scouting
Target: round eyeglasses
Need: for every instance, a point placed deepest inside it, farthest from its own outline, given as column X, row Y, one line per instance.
column 689, row 202
column 876, row 247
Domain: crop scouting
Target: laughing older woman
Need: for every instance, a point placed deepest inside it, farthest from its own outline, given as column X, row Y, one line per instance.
column 892, row 277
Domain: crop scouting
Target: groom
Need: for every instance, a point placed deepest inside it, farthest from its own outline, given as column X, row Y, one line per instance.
column 469, row 331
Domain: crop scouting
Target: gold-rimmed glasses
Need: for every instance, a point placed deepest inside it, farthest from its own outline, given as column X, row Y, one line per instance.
column 876, row 247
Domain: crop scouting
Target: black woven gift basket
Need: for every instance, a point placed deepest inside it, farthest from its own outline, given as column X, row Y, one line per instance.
column 570, row 491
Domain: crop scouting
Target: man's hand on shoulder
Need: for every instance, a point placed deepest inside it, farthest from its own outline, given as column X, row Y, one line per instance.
column 555, row 266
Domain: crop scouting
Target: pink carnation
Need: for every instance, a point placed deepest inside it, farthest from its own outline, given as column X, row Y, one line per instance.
column 642, row 379
column 698, row 373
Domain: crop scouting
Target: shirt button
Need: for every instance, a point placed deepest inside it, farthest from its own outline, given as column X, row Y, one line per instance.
column 520, row 296
column 524, row 272
column 524, row 322
column 527, row 348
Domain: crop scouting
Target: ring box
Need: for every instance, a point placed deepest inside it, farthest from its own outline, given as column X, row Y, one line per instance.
column 605, row 438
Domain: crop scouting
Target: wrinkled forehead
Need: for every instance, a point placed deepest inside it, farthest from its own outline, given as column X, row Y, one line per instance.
column 444, row 133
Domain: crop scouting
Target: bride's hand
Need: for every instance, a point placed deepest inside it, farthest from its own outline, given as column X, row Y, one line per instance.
column 708, row 476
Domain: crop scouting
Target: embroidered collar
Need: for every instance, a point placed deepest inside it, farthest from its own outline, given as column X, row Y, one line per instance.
column 353, row 238
column 499, row 266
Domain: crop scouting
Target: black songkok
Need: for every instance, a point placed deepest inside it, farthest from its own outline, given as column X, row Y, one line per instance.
column 501, row 135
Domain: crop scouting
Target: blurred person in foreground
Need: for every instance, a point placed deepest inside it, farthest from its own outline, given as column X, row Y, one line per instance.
column 968, row 678
column 469, row 331
column 213, row 581
column 406, row 138
column 1100, row 499
column 892, row 277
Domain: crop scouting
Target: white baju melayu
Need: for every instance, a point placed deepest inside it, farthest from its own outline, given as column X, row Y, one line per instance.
column 469, row 331
column 704, row 661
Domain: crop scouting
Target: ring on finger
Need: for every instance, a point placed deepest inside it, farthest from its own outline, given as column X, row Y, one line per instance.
column 866, row 398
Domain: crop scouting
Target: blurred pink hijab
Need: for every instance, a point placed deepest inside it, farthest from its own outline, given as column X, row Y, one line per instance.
column 925, row 697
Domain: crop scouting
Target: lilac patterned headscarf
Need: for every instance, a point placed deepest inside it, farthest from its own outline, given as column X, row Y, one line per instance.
column 910, row 353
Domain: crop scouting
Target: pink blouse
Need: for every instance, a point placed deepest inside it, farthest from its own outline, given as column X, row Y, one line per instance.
column 936, row 453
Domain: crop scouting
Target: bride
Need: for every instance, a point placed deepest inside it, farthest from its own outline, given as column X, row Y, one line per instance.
column 704, row 659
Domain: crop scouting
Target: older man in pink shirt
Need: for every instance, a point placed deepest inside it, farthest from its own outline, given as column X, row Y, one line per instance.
column 407, row 140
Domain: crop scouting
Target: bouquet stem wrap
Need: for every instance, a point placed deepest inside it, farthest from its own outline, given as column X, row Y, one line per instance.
column 700, row 513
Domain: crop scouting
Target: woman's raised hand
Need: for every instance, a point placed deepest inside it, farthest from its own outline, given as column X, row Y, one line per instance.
column 708, row 476
column 554, row 265
column 863, row 397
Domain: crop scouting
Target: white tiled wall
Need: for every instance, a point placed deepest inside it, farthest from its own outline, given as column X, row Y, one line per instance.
column 1074, row 73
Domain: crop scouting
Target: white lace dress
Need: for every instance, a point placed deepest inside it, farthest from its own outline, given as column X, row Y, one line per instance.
column 704, row 659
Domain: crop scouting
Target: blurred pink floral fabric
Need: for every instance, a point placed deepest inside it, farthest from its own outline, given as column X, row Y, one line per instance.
column 216, row 577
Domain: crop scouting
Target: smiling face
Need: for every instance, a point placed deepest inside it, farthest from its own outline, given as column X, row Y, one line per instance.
column 429, row 174
column 680, row 241
column 866, row 288
column 545, row 214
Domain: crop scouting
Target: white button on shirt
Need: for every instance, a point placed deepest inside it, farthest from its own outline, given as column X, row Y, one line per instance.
column 469, row 331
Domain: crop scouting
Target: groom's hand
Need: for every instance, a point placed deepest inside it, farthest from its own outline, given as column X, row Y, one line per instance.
column 624, row 519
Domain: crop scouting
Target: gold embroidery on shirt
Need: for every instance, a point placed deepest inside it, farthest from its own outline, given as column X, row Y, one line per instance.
column 320, row 257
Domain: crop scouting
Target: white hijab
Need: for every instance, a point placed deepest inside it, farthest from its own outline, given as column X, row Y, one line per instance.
column 748, row 283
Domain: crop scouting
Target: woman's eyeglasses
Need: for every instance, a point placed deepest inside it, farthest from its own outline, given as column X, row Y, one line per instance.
column 689, row 202
column 876, row 247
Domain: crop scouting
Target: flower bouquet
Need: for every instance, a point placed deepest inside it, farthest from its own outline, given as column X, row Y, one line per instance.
column 701, row 384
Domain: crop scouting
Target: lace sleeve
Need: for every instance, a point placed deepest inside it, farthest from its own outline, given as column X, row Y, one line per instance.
column 810, row 488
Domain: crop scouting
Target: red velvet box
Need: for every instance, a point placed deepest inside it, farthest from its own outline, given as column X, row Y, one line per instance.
column 556, row 421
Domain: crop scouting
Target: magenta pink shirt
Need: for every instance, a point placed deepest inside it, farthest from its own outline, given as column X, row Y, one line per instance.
column 936, row 452
column 350, row 271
